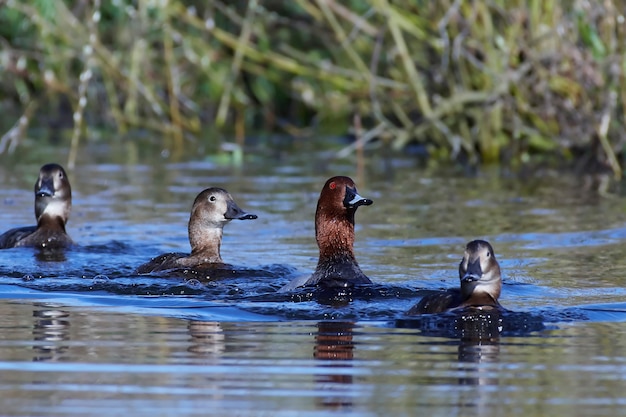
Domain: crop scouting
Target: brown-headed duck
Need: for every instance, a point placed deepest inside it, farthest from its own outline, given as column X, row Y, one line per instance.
column 334, row 231
column 53, row 202
column 211, row 210
column 481, row 283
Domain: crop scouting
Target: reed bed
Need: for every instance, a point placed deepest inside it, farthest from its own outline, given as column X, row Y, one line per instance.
column 479, row 82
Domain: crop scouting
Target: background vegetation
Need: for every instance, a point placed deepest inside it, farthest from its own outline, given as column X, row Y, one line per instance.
column 472, row 81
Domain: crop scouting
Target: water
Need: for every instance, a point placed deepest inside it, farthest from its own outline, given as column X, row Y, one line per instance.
column 81, row 333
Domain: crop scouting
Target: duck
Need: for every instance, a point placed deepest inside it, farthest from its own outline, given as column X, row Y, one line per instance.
column 481, row 283
column 212, row 209
column 337, row 266
column 53, row 203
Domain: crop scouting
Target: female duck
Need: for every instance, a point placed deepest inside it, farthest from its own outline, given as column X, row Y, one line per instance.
column 211, row 210
column 481, row 283
column 53, row 202
column 334, row 232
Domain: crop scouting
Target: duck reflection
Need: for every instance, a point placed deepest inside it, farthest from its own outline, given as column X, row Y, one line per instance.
column 51, row 328
column 479, row 343
column 478, row 351
column 333, row 342
column 478, row 330
column 207, row 338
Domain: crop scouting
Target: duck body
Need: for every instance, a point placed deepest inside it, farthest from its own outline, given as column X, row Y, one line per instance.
column 334, row 232
column 212, row 209
column 53, row 203
column 480, row 279
column 162, row 262
column 339, row 271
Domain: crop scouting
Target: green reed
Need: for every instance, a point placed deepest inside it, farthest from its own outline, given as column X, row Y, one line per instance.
column 479, row 81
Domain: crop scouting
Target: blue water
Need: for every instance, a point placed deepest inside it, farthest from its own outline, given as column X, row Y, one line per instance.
column 83, row 333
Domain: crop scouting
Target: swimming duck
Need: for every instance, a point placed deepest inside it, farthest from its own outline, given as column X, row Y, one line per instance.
column 212, row 209
column 334, row 231
column 481, row 283
column 53, row 202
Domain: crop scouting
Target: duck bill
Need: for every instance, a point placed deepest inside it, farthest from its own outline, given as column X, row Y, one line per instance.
column 234, row 212
column 354, row 200
column 470, row 278
column 46, row 189
column 474, row 272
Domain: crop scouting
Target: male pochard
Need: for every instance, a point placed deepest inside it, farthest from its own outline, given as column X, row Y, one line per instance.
column 334, row 231
column 212, row 209
column 481, row 283
column 53, row 202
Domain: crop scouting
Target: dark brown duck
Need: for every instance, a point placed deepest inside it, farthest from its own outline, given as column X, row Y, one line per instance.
column 334, row 232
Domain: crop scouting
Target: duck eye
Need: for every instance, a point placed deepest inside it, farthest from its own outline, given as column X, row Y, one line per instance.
column 332, row 185
column 212, row 198
column 488, row 254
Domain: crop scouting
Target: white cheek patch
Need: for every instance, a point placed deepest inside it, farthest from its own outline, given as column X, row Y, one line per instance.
column 219, row 214
column 55, row 209
column 355, row 200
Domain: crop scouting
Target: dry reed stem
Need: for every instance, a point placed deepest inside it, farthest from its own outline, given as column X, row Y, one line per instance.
column 172, row 89
column 241, row 46
column 409, row 67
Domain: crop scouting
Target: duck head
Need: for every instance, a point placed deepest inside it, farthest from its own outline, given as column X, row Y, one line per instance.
column 212, row 209
column 53, row 195
column 339, row 199
column 479, row 272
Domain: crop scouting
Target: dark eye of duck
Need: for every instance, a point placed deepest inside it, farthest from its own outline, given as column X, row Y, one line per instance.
column 212, row 198
column 488, row 254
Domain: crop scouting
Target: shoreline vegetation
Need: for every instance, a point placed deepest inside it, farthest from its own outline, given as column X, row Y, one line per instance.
column 516, row 83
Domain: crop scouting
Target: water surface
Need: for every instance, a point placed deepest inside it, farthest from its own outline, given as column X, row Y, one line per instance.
column 82, row 333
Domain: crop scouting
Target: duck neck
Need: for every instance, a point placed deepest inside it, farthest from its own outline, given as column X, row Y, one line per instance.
column 482, row 294
column 335, row 238
column 51, row 213
column 51, row 223
column 205, row 243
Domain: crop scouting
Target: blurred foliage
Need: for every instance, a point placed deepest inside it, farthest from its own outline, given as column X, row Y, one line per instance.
column 473, row 81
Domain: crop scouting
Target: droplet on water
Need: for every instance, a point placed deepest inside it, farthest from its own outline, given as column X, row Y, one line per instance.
column 193, row 283
column 100, row 278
